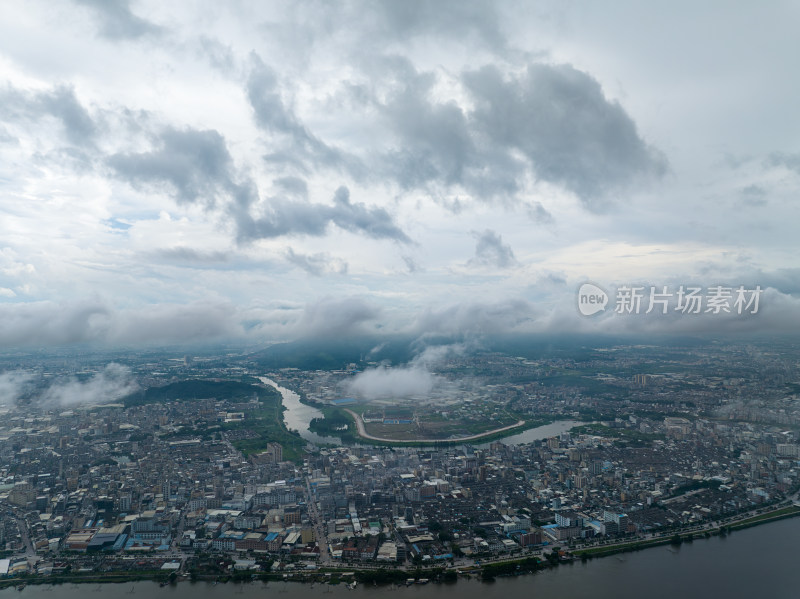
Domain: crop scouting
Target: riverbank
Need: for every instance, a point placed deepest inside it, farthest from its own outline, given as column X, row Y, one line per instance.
column 681, row 537
column 758, row 561
column 377, row 575
column 498, row 433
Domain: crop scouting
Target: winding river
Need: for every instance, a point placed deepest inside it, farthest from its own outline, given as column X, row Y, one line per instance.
column 298, row 416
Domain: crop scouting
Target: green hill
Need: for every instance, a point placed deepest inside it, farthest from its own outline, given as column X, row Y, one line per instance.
column 202, row 389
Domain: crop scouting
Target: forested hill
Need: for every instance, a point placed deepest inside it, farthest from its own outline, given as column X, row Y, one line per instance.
column 202, row 389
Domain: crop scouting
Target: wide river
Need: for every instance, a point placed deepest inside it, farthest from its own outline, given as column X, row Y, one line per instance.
column 759, row 562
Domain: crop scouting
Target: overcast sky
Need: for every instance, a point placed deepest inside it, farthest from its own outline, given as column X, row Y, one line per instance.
column 187, row 171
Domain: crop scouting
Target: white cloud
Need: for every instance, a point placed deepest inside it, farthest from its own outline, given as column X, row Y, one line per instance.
column 110, row 384
column 414, row 379
column 175, row 168
column 12, row 386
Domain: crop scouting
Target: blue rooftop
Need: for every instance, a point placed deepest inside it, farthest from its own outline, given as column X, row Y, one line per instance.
column 344, row 401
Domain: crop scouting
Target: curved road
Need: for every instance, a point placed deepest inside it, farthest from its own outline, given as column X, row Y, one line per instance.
column 362, row 432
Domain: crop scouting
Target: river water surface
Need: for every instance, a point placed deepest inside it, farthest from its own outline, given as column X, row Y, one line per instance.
column 298, row 415
column 759, row 562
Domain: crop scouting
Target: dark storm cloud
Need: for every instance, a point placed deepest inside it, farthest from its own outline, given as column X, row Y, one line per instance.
column 317, row 264
column 491, row 251
column 195, row 164
column 59, row 103
column 337, row 317
column 558, row 117
column 117, row 21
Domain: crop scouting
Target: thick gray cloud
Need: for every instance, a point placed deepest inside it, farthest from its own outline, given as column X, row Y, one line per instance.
column 198, row 321
column 788, row 160
column 358, row 218
column 287, row 217
column 268, row 106
column 60, row 103
column 292, row 186
column 195, row 165
column 491, row 251
column 337, row 317
column 317, row 264
column 296, row 146
column 218, row 55
column 117, row 21
column 411, row 264
column 754, row 195
column 452, row 18
column 784, row 280
column 49, row 323
column 435, row 143
column 552, row 121
column 478, row 318
column 539, row 213
column 558, row 117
